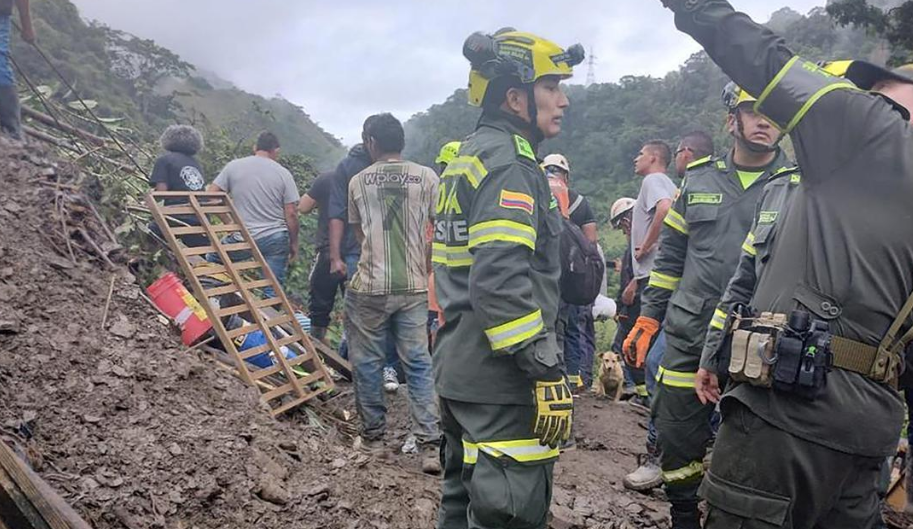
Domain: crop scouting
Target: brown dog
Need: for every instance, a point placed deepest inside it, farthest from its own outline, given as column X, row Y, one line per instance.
column 611, row 377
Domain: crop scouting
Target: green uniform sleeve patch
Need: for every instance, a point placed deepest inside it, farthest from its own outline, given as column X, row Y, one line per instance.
column 553, row 204
column 705, row 198
column 768, row 217
column 524, row 148
column 795, row 178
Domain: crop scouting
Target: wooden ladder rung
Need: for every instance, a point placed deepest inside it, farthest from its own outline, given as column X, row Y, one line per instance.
column 245, row 265
column 219, row 291
column 237, row 309
column 189, row 230
column 210, row 210
column 289, row 339
column 218, row 228
column 263, row 373
column 199, row 250
column 269, row 302
column 209, row 270
column 241, row 331
column 279, row 320
column 260, row 283
column 288, row 388
column 170, row 211
column 291, row 404
column 236, row 247
column 250, row 353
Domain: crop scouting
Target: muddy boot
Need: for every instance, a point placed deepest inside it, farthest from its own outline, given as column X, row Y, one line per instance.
column 9, row 112
column 431, row 459
column 320, row 334
column 685, row 515
column 648, row 475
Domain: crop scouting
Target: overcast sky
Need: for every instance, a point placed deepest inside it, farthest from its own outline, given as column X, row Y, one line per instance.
column 347, row 59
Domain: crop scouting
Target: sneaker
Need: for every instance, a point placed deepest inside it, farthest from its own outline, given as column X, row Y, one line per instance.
column 648, row 475
column 391, row 383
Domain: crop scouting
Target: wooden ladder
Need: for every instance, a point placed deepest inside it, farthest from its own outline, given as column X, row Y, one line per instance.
column 305, row 375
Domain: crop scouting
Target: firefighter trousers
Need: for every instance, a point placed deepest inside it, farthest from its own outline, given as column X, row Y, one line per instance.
column 684, row 432
column 496, row 475
column 765, row 477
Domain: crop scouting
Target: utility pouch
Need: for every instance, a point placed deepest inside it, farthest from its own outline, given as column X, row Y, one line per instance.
column 753, row 350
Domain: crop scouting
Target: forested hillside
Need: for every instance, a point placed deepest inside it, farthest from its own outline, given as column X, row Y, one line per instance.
column 607, row 123
column 142, row 87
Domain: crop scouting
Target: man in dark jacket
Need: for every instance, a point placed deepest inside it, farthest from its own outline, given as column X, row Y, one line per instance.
column 9, row 97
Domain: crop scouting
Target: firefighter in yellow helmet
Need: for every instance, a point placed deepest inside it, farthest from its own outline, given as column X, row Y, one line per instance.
column 505, row 403
column 449, row 151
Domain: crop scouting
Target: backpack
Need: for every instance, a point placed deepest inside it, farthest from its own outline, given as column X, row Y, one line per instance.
column 582, row 266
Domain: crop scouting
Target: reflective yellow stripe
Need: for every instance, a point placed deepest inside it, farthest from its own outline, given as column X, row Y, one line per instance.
column 695, row 163
column 516, row 331
column 675, row 379
column 693, row 470
column 675, row 221
column 773, row 84
column 641, row 390
column 575, row 380
column 451, row 256
column 522, row 451
column 469, row 166
column 814, row 99
column 719, row 319
column 748, row 245
column 663, row 281
column 470, row 453
column 502, row 231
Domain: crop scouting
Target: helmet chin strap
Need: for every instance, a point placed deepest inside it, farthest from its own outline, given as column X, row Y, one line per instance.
column 755, row 147
column 533, row 111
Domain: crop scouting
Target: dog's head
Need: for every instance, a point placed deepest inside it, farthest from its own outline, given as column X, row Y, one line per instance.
column 610, row 361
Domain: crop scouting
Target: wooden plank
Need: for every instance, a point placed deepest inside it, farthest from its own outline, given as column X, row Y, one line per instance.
column 199, row 250
column 263, row 373
column 241, row 331
column 278, row 320
column 234, row 247
column 228, row 311
column 220, row 291
column 270, row 302
column 190, row 230
column 15, row 508
column 275, row 412
column 260, row 283
column 52, row 508
column 209, row 270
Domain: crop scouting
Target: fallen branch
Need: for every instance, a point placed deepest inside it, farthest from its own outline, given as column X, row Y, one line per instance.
column 91, row 242
column 51, row 122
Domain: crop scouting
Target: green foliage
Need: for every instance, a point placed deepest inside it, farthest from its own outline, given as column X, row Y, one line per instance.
column 606, row 124
column 894, row 24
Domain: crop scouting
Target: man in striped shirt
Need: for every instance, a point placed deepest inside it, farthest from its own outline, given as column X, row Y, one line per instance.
column 391, row 203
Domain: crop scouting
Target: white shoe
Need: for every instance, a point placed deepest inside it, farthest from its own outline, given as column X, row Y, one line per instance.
column 391, row 382
column 647, row 476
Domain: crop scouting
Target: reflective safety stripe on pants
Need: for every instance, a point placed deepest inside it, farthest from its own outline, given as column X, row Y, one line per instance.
column 676, row 379
column 521, row 451
column 688, row 473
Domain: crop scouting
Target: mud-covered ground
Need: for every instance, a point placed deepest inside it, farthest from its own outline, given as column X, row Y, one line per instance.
column 138, row 433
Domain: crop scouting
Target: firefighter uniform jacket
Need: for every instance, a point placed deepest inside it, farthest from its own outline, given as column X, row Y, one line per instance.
column 699, row 250
column 844, row 249
column 496, row 268
column 755, row 254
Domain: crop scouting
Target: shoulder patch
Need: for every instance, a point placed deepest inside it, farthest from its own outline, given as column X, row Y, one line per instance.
column 700, row 163
column 705, row 198
column 795, row 176
column 524, row 149
column 768, row 217
column 517, row 200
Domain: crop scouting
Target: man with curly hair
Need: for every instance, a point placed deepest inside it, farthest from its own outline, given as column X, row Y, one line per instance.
column 177, row 169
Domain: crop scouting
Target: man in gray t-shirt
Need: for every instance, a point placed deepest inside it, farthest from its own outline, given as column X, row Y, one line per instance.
column 265, row 195
column 657, row 193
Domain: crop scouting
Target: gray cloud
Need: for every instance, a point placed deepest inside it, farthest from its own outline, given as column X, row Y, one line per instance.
column 345, row 60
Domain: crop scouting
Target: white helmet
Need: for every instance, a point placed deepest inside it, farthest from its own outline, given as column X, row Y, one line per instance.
column 558, row 160
column 620, row 207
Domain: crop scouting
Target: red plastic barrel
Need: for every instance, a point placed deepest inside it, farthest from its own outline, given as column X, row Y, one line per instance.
column 173, row 299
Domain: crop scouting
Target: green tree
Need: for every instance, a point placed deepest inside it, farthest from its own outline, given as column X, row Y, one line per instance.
column 894, row 24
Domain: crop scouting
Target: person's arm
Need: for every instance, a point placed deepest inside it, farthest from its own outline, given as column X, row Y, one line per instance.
column 590, row 232
column 652, row 237
column 25, row 20
column 307, row 204
column 337, row 213
column 291, row 220
column 670, row 263
column 502, row 241
column 795, row 94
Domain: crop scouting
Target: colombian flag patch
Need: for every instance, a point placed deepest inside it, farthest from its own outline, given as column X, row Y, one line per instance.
column 514, row 200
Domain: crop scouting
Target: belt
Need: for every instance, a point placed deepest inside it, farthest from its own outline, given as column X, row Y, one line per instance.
column 878, row 364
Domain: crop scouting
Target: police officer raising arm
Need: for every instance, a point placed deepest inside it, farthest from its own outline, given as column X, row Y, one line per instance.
column 804, row 433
